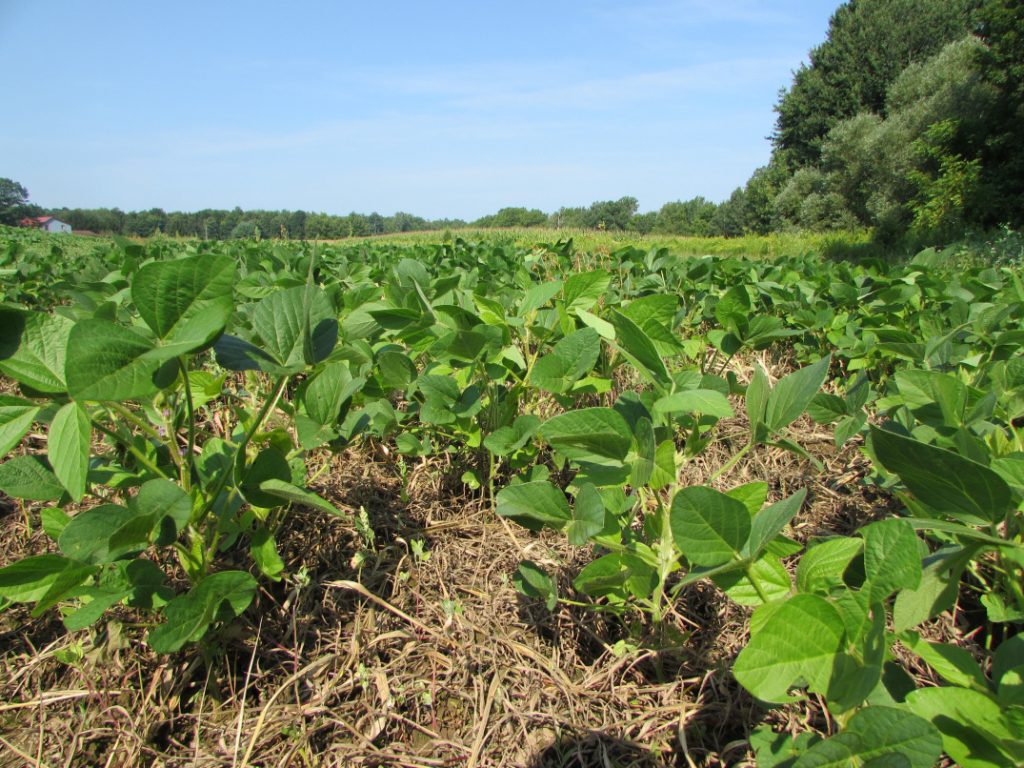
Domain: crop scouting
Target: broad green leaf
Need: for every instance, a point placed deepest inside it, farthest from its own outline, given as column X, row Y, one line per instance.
column 205, row 387
column 297, row 326
column 942, row 479
column 923, row 389
column 113, row 588
column 442, row 389
column 186, row 302
column 644, row 447
column 166, row 505
column 68, row 448
column 33, row 346
column 709, row 527
column 67, row 581
column 15, row 421
column 797, row 646
column 605, row 329
column 569, row 360
column 109, row 362
column 397, row 318
column 823, row 565
column 779, row 750
column 1011, row 469
column 264, row 553
column 328, row 391
column 219, row 597
column 589, row 435
column 882, row 737
column 396, row 369
column 769, row 522
column 940, row 582
column 88, row 537
column 27, row 477
column 587, row 516
column 285, row 491
column 752, row 495
column 638, row 348
column 54, row 520
column 1009, row 655
column 952, row 663
column 972, row 725
column 659, row 309
column 237, row 354
column 269, row 464
column 773, row 582
column 214, row 461
column 664, row 471
column 732, row 311
column 506, row 440
column 758, row 392
column 411, row 271
column 26, row 581
column 534, row 505
column 858, row 670
column 704, row 401
column 462, row 345
column 826, row 409
column 533, row 581
column 139, row 582
column 792, row 394
column 539, row 295
column 620, row 575
column 891, row 558
column 584, row 289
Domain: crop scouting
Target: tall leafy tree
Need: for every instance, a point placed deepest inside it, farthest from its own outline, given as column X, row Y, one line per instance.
column 1002, row 66
column 869, row 43
column 12, row 197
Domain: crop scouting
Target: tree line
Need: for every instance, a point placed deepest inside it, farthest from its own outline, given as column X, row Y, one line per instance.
column 699, row 217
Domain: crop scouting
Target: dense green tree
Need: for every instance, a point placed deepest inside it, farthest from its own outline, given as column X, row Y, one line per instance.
column 868, row 44
column 612, row 214
column 759, row 197
column 730, row 216
column 513, row 217
column 13, row 197
column 404, row 222
column 946, row 184
column 643, row 223
column 569, row 218
column 871, row 161
column 690, row 217
column 245, row 229
column 809, row 202
column 1002, row 67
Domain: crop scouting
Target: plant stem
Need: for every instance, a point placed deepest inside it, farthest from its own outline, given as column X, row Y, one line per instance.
column 130, row 416
column 232, row 474
column 666, row 560
column 749, row 569
column 731, row 462
column 139, row 455
column 186, row 467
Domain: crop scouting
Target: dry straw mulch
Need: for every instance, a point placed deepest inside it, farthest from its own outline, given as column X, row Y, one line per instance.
column 390, row 659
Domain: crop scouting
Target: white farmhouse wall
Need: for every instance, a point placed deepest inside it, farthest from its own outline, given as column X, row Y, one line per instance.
column 57, row 226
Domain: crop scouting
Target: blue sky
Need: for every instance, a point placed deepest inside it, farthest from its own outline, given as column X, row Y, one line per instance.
column 451, row 109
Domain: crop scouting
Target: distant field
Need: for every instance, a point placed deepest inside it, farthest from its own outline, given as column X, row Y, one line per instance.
column 773, row 245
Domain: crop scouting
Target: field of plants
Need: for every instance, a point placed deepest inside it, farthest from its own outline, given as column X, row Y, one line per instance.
column 474, row 502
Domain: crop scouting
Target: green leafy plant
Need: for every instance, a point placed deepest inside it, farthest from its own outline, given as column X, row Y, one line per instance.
column 128, row 437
